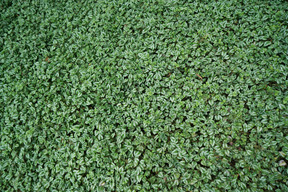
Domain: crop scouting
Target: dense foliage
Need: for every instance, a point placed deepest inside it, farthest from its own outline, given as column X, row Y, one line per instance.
column 144, row 95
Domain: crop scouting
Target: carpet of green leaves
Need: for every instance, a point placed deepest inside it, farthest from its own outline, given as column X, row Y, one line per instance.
column 144, row 95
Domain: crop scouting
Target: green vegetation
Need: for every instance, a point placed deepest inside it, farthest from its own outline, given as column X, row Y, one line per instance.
column 148, row 95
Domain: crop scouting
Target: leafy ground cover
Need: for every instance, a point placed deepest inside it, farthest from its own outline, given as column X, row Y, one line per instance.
column 144, row 95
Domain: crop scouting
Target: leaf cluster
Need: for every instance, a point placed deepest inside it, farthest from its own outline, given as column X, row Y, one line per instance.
column 144, row 95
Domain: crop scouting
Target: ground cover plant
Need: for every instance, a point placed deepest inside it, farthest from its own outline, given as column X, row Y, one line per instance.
column 144, row 95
